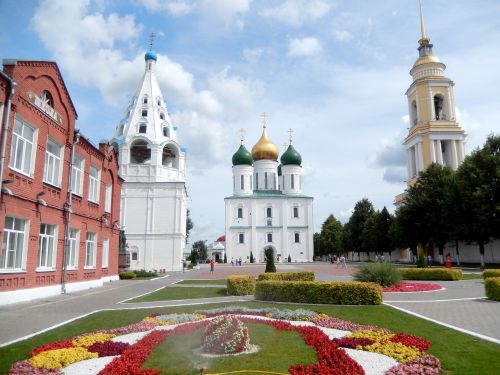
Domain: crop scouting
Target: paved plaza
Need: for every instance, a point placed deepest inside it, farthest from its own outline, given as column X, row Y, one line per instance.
column 461, row 305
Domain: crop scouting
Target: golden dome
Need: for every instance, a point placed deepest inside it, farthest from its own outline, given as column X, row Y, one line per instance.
column 427, row 59
column 264, row 149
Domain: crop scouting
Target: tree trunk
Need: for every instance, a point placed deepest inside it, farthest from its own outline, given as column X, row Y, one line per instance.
column 481, row 251
column 441, row 247
column 458, row 254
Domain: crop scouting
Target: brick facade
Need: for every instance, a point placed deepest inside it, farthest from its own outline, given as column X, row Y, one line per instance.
column 35, row 191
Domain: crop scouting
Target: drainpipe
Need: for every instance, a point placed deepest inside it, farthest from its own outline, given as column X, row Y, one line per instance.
column 67, row 209
column 5, row 126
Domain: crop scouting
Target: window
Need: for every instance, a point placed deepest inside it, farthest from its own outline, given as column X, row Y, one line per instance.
column 240, row 212
column 94, row 184
column 145, row 100
column 143, row 128
column 140, row 152
column 158, row 101
column 269, row 237
column 134, row 255
column 241, row 238
column 296, row 237
column 77, row 175
column 162, row 116
column 108, row 197
column 251, row 186
column 166, row 133
column 21, row 152
column 265, row 180
column 47, row 99
column 144, row 113
column 256, row 181
column 292, row 182
column 295, row 212
column 105, row 253
column 242, row 182
column 46, row 246
column 13, row 243
column 269, row 212
column 90, row 247
column 72, row 249
column 52, row 163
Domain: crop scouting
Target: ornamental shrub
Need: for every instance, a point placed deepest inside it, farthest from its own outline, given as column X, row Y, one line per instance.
column 421, row 262
column 288, row 276
column 252, row 260
column 491, row 273
column 431, row 274
column 125, row 275
column 492, row 288
column 331, row 292
column 240, row 285
column 144, row 273
column 384, row 274
column 269, row 253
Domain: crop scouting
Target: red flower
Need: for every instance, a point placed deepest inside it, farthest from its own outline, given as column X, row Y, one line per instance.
column 409, row 340
column 108, row 348
column 353, row 342
column 408, row 286
column 68, row 343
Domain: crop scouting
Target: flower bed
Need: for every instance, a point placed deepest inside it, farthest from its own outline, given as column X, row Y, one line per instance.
column 407, row 350
column 408, row 286
column 225, row 334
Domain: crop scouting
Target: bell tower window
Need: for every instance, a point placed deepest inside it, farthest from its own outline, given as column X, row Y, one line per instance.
column 414, row 112
column 140, row 152
column 143, row 128
column 439, row 107
column 145, row 100
column 144, row 113
column 166, row 133
column 162, row 116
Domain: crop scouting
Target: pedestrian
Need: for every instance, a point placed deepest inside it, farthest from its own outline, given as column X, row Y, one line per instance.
column 184, row 265
column 212, row 266
column 429, row 260
column 376, row 258
column 342, row 261
column 447, row 262
column 382, row 258
column 232, row 261
column 240, row 261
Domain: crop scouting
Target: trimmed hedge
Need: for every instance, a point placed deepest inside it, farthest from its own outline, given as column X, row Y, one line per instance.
column 491, row 273
column 492, row 288
column 287, row 276
column 240, row 285
column 431, row 274
column 321, row 292
column 126, row 275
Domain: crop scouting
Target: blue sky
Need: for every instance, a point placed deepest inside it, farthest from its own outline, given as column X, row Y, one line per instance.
column 333, row 71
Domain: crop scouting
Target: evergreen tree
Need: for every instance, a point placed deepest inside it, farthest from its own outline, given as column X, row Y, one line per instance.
column 331, row 236
column 252, row 260
column 353, row 239
column 270, row 267
column 201, row 250
column 225, row 258
column 189, row 225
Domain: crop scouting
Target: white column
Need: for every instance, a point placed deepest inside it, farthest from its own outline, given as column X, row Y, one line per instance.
column 432, row 150
column 452, row 97
column 462, row 145
column 448, row 98
column 460, row 155
column 410, row 111
column 440, row 152
column 454, row 155
column 431, row 104
column 408, row 164
column 420, row 161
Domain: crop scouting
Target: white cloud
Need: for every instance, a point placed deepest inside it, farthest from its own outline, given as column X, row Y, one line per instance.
column 227, row 11
column 174, row 8
column 298, row 12
column 342, row 35
column 252, row 55
column 303, row 47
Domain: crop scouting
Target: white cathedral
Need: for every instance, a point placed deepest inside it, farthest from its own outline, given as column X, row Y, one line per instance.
column 267, row 208
column 152, row 165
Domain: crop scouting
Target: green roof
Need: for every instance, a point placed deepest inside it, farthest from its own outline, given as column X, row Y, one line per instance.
column 291, row 157
column 242, row 157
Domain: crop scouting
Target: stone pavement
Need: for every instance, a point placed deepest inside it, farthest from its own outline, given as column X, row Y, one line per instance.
column 447, row 306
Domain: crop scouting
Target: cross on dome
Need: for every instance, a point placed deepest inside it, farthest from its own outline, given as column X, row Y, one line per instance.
column 290, row 131
column 242, row 134
column 264, row 119
column 152, row 37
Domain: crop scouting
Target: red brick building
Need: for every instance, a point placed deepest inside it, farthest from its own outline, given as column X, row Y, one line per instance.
column 54, row 239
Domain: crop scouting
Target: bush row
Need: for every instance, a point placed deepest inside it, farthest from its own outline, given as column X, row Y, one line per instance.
column 287, row 276
column 492, row 288
column 431, row 274
column 240, row 285
column 491, row 273
column 126, row 275
column 321, row 292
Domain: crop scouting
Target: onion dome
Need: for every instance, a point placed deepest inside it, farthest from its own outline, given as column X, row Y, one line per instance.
column 264, row 149
column 150, row 55
column 291, row 157
column 242, row 157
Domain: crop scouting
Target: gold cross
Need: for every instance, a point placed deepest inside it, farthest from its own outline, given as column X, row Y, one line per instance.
column 290, row 131
column 264, row 119
column 151, row 40
column 242, row 134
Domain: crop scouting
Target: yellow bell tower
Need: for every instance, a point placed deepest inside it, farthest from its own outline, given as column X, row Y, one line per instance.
column 434, row 135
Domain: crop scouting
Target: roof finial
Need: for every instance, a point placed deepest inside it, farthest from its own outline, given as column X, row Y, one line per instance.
column 152, row 37
column 264, row 119
column 423, row 35
column 290, row 131
column 285, row 146
column 242, row 134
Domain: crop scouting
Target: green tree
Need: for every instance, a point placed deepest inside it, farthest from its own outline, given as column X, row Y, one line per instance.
column 269, row 253
column 383, row 225
column 201, row 250
column 331, row 236
column 189, row 225
column 353, row 238
column 318, row 244
column 478, row 180
column 225, row 258
column 194, row 257
column 252, row 260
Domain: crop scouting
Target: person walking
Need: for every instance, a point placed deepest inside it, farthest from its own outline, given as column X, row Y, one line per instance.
column 342, row 261
column 212, row 266
column 232, row 261
column 447, row 262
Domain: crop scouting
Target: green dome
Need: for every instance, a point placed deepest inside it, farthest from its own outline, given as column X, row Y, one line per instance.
column 242, row 157
column 291, row 157
column 279, row 170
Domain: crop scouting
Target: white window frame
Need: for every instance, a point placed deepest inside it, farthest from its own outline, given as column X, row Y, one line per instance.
column 105, row 253
column 53, row 164
column 24, row 158
column 14, row 242
column 269, row 216
column 94, row 184
column 90, row 250
column 108, row 197
column 241, row 238
column 78, row 173
column 72, row 249
column 47, row 247
column 242, row 182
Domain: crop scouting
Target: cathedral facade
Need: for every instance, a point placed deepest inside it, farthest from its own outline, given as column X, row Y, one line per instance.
column 267, row 207
column 152, row 165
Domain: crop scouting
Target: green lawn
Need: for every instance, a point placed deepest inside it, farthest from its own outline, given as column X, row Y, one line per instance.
column 177, row 356
column 458, row 352
column 174, row 293
column 203, row 282
column 472, row 276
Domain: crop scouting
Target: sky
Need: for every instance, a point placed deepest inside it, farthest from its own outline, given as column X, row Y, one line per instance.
column 335, row 72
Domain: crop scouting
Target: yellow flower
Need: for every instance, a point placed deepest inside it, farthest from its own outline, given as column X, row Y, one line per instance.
column 269, row 315
column 59, row 358
column 150, row 319
column 373, row 335
column 88, row 340
column 199, row 316
column 396, row 350
column 321, row 316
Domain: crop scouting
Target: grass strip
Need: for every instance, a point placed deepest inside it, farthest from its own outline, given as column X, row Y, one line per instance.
column 179, row 293
column 203, row 282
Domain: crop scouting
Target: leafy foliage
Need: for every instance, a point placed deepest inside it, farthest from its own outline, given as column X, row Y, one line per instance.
column 384, row 274
column 270, row 266
column 492, row 288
